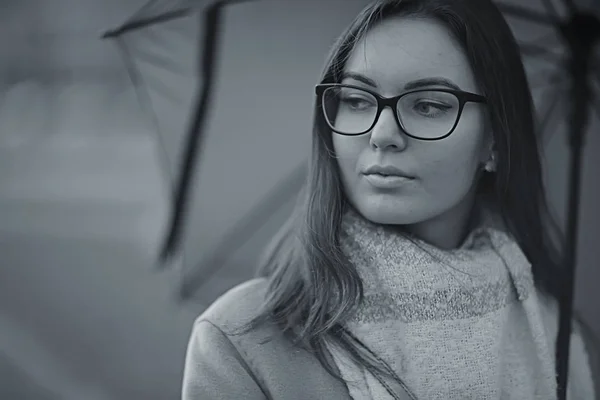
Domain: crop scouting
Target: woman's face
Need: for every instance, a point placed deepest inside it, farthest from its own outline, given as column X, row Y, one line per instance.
column 396, row 53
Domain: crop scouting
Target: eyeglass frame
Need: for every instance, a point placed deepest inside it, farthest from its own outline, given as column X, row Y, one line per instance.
column 392, row 102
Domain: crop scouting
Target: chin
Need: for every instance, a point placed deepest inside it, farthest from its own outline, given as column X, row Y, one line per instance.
column 387, row 213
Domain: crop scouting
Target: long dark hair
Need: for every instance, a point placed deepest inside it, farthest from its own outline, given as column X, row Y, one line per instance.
column 312, row 288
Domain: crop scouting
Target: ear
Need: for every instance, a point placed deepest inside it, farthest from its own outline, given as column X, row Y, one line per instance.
column 488, row 148
column 492, row 152
column 492, row 162
column 489, row 156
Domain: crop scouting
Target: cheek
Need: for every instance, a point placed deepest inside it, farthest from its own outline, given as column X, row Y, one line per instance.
column 446, row 174
column 452, row 166
column 347, row 151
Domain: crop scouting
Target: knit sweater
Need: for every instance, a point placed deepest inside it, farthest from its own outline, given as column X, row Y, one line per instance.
column 466, row 323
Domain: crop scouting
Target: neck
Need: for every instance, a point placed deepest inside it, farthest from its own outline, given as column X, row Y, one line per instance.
column 449, row 229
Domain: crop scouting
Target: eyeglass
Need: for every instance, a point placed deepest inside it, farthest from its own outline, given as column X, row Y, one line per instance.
column 425, row 114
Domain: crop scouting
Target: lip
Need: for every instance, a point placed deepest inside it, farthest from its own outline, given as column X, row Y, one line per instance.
column 387, row 181
column 387, row 170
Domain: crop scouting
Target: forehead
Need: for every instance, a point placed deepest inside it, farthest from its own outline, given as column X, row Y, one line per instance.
column 399, row 50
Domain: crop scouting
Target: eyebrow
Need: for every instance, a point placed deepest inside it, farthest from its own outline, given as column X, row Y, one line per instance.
column 416, row 84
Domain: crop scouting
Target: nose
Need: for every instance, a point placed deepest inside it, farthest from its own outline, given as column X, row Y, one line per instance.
column 387, row 134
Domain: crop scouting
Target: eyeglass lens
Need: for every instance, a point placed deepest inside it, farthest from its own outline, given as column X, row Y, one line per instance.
column 427, row 114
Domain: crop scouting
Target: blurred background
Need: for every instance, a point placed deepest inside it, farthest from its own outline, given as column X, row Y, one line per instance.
column 91, row 140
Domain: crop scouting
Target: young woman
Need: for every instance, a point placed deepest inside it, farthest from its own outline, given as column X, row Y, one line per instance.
column 422, row 262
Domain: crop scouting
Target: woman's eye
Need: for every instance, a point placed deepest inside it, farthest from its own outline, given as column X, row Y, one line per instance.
column 356, row 103
column 430, row 109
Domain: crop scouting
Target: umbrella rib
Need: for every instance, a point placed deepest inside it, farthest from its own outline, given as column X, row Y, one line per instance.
column 140, row 23
column 244, row 229
column 527, row 14
column 550, row 8
column 141, row 11
column 195, row 134
column 146, row 22
column 543, row 39
column 556, row 78
column 156, row 60
column 595, row 97
column 547, row 116
column 570, row 4
column 228, row 2
column 144, row 9
column 534, row 50
column 144, row 98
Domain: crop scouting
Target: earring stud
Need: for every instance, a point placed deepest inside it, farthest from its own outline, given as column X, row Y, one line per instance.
column 490, row 166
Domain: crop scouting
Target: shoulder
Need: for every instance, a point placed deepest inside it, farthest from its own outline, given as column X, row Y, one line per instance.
column 216, row 365
column 237, row 305
column 223, row 364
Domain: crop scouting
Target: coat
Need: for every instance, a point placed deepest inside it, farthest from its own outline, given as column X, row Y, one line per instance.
column 220, row 366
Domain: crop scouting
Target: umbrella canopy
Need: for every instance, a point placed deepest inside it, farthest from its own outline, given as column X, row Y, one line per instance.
column 258, row 131
column 257, row 134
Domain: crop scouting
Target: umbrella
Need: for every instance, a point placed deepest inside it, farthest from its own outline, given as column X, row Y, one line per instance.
column 163, row 47
column 580, row 31
column 556, row 40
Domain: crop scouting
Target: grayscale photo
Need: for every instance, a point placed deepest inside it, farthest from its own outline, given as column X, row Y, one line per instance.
column 299, row 199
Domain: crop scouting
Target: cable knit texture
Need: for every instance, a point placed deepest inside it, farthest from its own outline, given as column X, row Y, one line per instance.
column 466, row 323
